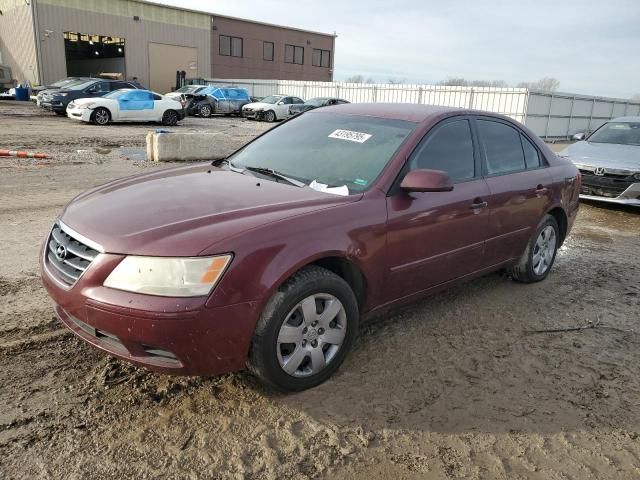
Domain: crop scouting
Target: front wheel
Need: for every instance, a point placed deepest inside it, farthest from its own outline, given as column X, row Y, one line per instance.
column 170, row 118
column 101, row 116
column 305, row 331
column 538, row 258
column 270, row 116
column 205, row 111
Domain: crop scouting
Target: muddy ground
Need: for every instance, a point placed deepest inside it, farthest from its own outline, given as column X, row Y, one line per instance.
column 455, row 386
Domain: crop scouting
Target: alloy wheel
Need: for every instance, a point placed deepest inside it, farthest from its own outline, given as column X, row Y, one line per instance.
column 544, row 250
column 102, row 117
column 311, row 335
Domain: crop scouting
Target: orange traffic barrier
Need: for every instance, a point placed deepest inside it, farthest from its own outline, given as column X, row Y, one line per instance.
column 22, row 154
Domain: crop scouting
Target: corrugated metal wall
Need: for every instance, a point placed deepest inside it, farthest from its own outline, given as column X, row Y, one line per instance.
column 115, row 17
column 17, row 40
column 550, row 115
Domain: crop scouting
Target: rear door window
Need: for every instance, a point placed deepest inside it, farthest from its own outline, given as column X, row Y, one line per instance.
column 531, row 155
column 449, row 149
column 502, row 147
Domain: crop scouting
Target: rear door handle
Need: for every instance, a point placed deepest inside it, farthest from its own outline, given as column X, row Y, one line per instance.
column 478, row 203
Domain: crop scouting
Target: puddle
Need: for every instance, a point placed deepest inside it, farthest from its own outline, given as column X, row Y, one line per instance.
column 136, row 154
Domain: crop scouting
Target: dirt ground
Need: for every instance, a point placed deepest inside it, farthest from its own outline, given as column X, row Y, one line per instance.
column 455, row 386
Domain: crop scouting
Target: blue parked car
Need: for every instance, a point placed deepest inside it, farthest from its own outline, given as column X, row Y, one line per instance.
column 216, row 100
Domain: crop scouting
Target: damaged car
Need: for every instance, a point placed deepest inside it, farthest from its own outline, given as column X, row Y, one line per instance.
column 269, row 259
column 315, row 103
column 609, row 161
column 216, row 100
column 271, row 108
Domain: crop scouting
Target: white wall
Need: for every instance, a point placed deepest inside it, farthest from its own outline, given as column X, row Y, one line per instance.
column 549, row 115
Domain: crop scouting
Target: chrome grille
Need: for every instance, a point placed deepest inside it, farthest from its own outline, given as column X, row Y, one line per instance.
column 67, row 257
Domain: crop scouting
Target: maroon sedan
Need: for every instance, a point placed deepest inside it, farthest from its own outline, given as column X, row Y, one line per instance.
column 270, row 258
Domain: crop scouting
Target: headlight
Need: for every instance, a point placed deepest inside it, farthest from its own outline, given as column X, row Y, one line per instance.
column 87, row 106
column 62, row 94
column 168, row 277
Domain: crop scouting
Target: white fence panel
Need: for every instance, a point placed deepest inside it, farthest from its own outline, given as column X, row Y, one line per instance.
column 548, row 114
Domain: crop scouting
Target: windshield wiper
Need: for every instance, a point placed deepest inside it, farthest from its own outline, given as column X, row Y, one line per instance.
column 275, row 174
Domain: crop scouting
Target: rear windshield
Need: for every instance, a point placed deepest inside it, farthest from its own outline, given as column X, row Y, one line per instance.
column 334, row 150
column 621, row 133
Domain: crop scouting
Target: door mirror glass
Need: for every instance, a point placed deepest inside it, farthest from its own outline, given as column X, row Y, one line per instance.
column 423, row 180
column 579, row 136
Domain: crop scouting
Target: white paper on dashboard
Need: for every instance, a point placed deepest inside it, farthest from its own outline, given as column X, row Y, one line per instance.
column 321, row 187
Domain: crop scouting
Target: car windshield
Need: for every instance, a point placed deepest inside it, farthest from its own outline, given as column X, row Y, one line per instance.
column 333, row 150
column 66, row 81
column 316, row 102
column 271, row 99
column 622, row 133
column 80, row 85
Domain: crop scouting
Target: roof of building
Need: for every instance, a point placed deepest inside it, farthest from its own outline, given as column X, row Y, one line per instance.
column 213, row 14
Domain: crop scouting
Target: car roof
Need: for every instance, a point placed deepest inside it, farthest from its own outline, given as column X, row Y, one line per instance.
column 397, row 111
column 626, row 119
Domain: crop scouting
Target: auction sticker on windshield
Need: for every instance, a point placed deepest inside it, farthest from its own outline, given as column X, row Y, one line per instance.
column 358, row 137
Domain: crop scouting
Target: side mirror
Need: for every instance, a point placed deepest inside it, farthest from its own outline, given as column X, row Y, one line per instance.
column 579, row 136
column 422, row 180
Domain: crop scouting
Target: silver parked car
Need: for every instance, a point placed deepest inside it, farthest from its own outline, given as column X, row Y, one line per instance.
column 609, row 161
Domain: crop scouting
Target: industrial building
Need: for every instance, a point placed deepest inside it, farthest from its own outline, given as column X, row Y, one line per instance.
column 45, row 40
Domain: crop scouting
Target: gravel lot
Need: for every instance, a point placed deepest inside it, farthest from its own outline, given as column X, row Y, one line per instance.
column 455, row 386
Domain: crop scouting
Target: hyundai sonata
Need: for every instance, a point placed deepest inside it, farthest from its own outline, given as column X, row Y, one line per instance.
column 269, row 259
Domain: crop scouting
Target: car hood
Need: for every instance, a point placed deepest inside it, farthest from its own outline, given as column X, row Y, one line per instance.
column 82, row 101
column 259, row 105
column 185, row 210
column 607, row 155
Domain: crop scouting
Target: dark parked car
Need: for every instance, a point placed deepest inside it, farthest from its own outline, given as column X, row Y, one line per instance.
column 271, row 257
column 58, row 100
column 315, row 103
column 65, row 82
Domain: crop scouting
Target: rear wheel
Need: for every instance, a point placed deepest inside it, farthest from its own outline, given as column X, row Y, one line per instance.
column 538, row 258
column 270, row 116
column 170, row 118
column 205, row 111
column 305, row 332
column 101, row 116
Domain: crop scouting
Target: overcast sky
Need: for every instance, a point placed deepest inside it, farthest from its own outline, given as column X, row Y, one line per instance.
column 591, row 46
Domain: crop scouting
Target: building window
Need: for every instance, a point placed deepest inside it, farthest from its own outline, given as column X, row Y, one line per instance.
column 294, row 54
column 321, row 58
column 230, row 46
column 267, row 51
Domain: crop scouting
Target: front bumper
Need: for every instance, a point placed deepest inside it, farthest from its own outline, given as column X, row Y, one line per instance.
column 610, row 186
column 53, row 106
column 180, row 336
column 81, row 114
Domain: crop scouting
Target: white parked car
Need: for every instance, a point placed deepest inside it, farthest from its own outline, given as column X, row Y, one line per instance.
column 271, row 108
column 127, row 105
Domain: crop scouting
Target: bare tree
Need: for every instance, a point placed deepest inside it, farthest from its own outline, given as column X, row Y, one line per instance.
column 546, row 84
column 396, row 81
column 359, row 79
column 461, row 82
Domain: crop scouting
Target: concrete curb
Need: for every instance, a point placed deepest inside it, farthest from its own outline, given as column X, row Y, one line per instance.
column 181, row 147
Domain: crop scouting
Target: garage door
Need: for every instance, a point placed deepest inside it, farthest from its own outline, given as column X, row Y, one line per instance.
column 165, row 60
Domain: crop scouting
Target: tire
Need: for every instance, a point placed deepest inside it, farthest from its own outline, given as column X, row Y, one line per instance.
column 270, row 116
column 284, row 319
column 537, row 260
column 205, row 111
column 62, row 114
column 101, row 116
column 170, row 118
